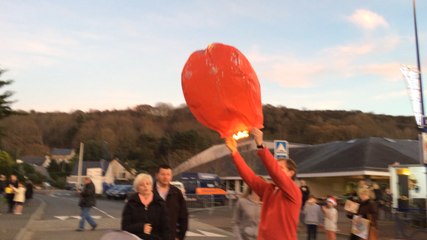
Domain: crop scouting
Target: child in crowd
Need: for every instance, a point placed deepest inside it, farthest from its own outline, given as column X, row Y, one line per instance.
column 19, row 197
column 331, row 218
column 313, row 216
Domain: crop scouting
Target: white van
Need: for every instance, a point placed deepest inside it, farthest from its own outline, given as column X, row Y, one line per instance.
column 180, row 186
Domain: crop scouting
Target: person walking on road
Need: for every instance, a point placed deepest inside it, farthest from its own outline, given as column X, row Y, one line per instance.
column 13, row 182
column 87, row 201
column 246, row 215
column 3, row 185
column 368, row 210
column 29, row 191
column 313, row 216
column 19, row 197
column 331, row 218
column 305, row 191
column 281, row 199
column 175, row 202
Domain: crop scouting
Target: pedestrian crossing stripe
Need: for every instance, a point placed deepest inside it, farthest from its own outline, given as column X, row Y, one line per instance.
column 199, row 233
column 75, row 217
column 193, row 234
column 202, row 234
column 209, row 234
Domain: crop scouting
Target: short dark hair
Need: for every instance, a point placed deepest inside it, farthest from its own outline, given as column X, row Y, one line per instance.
column 163, row 166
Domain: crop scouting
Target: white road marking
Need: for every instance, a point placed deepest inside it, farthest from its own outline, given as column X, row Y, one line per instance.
column 188, row 234
column 209, row 234
column 76, row 217
column 106, row 214
column 193, row 234
column 202, row 234
column 59, row 195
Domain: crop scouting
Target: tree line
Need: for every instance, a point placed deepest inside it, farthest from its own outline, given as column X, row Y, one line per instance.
column 145, row 136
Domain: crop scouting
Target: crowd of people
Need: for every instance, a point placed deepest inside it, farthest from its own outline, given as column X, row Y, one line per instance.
column 268, row 209
column 14, row 193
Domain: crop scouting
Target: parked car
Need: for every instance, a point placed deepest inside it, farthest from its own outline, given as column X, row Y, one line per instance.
column 73, row 186
column 46, row 185
column 118, row 191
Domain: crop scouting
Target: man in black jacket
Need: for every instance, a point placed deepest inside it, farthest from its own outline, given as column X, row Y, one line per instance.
column 87, row 201
column 175, row 202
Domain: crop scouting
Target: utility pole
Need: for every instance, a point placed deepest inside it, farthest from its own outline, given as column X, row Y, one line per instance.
column 423, row 129
column 80, row 167
column 418, row 60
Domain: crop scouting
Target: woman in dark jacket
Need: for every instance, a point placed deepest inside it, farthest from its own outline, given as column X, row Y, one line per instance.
column 145, row 213
column 368, row 210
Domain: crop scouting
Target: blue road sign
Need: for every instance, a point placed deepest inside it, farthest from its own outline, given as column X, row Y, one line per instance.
column 281, row 149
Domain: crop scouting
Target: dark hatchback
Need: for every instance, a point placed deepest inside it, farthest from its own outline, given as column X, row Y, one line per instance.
column 118, row 191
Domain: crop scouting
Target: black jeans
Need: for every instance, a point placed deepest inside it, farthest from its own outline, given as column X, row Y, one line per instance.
column 10, row 202
column 311, row 231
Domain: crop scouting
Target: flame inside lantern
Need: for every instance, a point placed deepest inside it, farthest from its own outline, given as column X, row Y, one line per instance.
column 241, row 134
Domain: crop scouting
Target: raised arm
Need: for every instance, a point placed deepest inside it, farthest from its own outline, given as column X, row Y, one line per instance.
column 248, row 175
column 277, row 174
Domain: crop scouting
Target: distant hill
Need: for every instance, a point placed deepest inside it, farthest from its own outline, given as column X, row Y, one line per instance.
column 145, row 136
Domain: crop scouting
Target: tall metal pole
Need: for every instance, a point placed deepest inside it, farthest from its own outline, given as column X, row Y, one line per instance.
column 418, row 60
column 80, row 166
column 423, row 125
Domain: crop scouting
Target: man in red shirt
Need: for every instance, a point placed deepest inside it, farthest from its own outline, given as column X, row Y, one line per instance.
column 281, row 198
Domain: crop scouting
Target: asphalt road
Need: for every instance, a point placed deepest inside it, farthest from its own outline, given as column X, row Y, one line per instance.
column 55, row 215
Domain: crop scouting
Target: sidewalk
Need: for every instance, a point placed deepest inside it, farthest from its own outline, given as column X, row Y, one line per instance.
column 13, row 226
column 28, row 226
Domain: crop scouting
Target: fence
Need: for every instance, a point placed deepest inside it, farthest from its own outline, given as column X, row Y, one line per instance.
column 411, row 223
column 200, row 201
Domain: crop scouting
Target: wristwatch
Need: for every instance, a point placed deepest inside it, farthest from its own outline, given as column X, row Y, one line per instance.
column 260, row 146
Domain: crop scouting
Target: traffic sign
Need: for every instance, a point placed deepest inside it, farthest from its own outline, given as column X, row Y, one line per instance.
column 281, row 149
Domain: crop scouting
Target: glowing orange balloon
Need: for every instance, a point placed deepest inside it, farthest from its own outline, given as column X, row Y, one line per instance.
column 222, row 90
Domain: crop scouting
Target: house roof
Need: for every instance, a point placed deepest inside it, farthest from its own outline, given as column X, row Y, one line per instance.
column 42, row 171
column 61, row 151
column 368, row 154
column 103, row 164
column 360, row 155
column 33, row 160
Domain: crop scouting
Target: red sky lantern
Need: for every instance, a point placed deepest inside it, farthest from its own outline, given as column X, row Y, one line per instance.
column 222, row 90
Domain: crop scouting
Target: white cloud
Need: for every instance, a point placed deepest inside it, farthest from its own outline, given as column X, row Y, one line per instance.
column 353, row 49
column 338, row 62
column 389, row 71
column 293, row 73
column 391, row 95
column 316, row 101
column 367, row 20
column 286, row 71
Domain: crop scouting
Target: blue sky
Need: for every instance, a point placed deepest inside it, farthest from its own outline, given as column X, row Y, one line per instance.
column 313, row 55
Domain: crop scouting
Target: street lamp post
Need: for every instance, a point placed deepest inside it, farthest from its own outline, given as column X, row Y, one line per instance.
column 418, row 60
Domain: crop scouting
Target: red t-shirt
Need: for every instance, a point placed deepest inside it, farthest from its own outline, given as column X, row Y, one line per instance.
column 281, row 199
